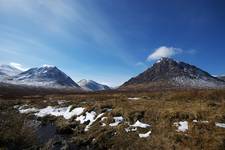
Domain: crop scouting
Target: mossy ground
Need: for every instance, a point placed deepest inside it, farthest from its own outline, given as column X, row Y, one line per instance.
column 159, row 109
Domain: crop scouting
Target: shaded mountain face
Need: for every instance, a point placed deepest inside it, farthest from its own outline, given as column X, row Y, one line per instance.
column 168, row 72
column 7, row 71
column 90, row 85
column 47, row 76
column 221, row 78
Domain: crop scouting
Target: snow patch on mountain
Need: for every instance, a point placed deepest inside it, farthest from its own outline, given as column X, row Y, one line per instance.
column 48, row 76
column 7, row 70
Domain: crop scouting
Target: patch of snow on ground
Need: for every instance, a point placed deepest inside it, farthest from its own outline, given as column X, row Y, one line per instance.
column 203, row 121
column 16, row 106
column 75, row 112
column 117, row 120
column 89, row 116
column 91, row 122
column 135, row 125
column 28, row 110
column 66, row 112
column 131, row 129
column 134, row 98
column 140, row 124
column 182, row 126
column 102, row 119
column 221, row 125
column 145, row 135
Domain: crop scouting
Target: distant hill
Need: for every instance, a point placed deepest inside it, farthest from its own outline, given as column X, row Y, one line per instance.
column 168, row 73
column 90, row 85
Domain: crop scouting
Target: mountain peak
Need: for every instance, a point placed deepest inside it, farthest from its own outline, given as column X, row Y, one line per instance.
column 49, row 76
column 174, row 73
column 48, row 66
column 166, row 60
column 90, row 85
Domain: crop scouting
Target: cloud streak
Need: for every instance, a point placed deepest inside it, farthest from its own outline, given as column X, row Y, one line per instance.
column 69, row 21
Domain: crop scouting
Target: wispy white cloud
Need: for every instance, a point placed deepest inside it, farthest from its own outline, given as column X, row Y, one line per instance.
column 70, row 21
column 18, row 66
column 164, row 51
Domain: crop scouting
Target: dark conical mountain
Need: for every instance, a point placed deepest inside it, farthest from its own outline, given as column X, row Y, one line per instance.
column 46, row 76
column 167, row 72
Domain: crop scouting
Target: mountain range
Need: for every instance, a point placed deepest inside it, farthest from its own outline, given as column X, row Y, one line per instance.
column 165, row 73
column 168, row 73
column 45, row 77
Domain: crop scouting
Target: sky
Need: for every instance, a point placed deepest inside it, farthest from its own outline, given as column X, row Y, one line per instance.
column 110, row 41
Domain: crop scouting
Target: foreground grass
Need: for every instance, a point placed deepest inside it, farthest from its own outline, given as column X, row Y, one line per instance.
column 159, row 109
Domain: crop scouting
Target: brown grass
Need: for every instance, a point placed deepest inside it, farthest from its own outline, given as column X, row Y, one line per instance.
column 159, row 109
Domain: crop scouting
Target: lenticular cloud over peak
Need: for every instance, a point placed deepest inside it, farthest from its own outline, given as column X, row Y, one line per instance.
column 164, row 51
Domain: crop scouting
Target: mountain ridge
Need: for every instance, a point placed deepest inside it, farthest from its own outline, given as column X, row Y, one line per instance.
column 167, row 72
column 8, row 70
column 46, row 76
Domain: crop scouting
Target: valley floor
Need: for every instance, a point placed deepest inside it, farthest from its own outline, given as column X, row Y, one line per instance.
column 193, row 119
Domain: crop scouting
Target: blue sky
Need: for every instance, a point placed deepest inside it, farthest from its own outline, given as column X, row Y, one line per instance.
column 110, row 41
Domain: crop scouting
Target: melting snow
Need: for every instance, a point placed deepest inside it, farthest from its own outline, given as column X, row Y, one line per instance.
column 66, row 112
column 129, row 129
column 91, row 122
column 24, row 110
column 103, row 125
column 117, row 120
column 140, row 124
column 133, row 98
column 221, row 125
column 135, row 125
column 182, row 126
column 28, row 110
column 204, row 121
column 89, row 116
column 145, row 135
column 102, row 119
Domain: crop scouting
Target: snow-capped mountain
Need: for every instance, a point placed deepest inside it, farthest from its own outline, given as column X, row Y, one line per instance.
column 90, row 85
column 167, row 72
column 7, row 71
column 46, row 76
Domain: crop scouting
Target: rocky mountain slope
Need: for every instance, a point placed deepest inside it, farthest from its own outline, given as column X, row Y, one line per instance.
column 46, row 76
column 7, row 71
column 221, row 77
column 169, row 73
column 90, row 85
